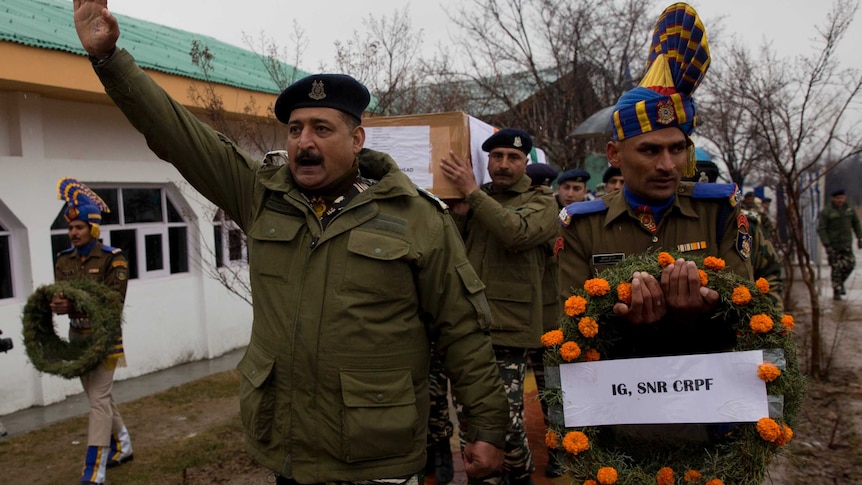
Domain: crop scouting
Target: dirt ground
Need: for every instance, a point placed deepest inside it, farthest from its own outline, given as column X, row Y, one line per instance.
column 194, row 436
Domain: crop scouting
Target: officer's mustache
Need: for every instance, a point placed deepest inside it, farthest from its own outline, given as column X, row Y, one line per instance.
column 503, row 173
column 307, row 158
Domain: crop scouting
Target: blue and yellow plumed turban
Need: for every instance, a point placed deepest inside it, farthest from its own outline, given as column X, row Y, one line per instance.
column 678, row 61
column 81, row 204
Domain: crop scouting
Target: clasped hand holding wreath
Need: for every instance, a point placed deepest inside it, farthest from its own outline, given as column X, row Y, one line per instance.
column 53, row 355
column 740, row 456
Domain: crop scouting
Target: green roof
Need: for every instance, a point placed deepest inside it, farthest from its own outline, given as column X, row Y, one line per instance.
column 49, row 24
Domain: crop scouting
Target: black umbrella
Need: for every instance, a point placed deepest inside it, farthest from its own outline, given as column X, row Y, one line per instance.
column 597, row 125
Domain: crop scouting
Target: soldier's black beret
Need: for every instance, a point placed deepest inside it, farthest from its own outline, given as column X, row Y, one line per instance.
column 611, row 172
column 748, row 194
column 575, row 175
column 337, row 91
column 509, row 138
column 541, row 173
column 837, row 192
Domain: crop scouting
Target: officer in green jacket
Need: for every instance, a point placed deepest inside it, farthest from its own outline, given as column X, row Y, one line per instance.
column 836, row 226
column 506, row 225
column 353, row 272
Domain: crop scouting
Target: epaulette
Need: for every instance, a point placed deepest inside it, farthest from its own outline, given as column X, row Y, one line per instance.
column 67, row 250
column 716, row 191
column 428, row 195
column 577, row 209
column 111, row 250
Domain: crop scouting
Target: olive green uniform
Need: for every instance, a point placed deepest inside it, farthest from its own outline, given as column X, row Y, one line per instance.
column 108, row 266
column 835, row 228
column 599, row 233
column 506, row 235
column 335, row 377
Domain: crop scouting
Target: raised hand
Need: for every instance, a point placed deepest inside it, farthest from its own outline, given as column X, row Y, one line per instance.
column 97, row 28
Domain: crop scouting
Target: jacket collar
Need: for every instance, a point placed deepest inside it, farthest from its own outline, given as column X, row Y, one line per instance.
column 617, row 205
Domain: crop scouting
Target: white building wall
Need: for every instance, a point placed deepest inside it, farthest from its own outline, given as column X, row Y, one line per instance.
column 169, row 320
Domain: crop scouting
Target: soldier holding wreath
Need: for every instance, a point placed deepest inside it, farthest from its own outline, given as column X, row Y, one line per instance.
column 108, row 441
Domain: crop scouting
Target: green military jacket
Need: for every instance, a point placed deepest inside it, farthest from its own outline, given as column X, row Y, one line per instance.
column 702, row 221
column 836, row 226
column 335, row 377
column 506, row 235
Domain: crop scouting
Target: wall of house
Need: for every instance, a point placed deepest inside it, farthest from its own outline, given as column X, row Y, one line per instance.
column 169, row 320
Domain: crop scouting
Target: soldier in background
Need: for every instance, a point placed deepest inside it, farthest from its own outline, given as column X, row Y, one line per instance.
column 506, row 225
column 613, row 179
column 572, row 186
column 836, row 226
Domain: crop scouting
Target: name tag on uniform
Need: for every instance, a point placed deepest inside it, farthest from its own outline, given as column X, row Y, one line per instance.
column 610, row 258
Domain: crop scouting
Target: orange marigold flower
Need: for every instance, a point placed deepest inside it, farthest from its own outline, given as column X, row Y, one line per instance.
column 590, row 481
column 575, row 305
column 762, row 285
column 607, row 475
column 788, row 322
column 624, row 293
column 761, row 323
column 786, row 435
column 665, row 476
column 769, row 430
column 552, row 440
column 553, row 337
column 588, row 327
column 741, row 296
column 713, row 263
column 714, row 481
column 570, row 351
column 768, row 371
column 597, row 287
column 665, row 259
column 692, row 476
column 704, row 278
column 575, row 442
column 591, row 355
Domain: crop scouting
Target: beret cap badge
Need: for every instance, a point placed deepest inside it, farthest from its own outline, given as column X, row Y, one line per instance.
column 317, row 92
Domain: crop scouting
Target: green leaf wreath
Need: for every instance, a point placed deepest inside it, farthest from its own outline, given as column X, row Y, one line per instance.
column 53, row 355
column 589, row 330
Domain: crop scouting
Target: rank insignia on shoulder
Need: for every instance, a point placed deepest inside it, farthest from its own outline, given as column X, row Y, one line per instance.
column 442, row 205
column 743, row 244
column 564, row 218
column 581, row 209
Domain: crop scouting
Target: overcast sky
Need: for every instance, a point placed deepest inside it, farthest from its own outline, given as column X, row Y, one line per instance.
column 788, row 24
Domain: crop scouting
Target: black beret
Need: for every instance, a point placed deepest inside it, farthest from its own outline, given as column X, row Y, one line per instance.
column 748, row 194
column 611, row 172
column 509, row 138
column 337, row 91
column 575, row 174
column 541, row 173
column 837, row 192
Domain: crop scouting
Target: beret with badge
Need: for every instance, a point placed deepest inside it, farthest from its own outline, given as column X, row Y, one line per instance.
column 336, row 91
column 509, row 138
column 574, row 175
column 611, row 172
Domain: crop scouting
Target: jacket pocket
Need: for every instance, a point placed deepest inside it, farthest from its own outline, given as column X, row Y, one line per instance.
column 376, row 264
column 380, row 417
column 270, row 252
column 257, row 393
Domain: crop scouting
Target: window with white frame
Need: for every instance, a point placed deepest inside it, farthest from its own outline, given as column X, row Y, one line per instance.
column 145, row 223
column 7, row 289
column 230, row 241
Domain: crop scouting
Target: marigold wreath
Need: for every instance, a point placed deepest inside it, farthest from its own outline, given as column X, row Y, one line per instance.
column 589, row 330
column 53, row 355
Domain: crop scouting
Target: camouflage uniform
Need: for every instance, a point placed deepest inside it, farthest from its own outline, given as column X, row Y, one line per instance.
column 764, row 259
column 834, row 228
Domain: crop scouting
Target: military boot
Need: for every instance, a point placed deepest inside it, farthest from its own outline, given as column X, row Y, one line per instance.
column 95, row 463
column 121, row 449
